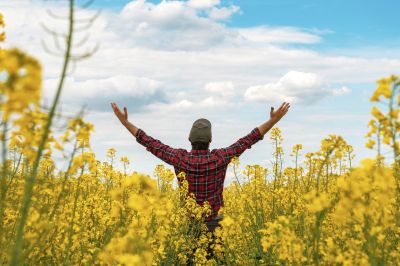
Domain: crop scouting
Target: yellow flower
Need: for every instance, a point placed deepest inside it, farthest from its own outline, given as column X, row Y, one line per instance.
column 58, row 146
column 2, row 25
column 383, row 89
column 22, row 84
column 235, row 161
column 125, row 159
column 317, row 203
column 377, row 113
column 2, row 20
column 370, row 144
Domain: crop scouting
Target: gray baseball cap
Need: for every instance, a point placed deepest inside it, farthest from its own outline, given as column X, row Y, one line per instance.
column 201, row 131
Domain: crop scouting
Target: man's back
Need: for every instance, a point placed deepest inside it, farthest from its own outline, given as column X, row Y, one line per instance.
column 205, row 170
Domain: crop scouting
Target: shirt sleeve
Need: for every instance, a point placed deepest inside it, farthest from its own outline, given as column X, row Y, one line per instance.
column 242, row 144
column 164, row 152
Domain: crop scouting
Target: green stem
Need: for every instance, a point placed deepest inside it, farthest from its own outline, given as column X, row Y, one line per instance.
column 237, row 179
column 3, row 181
column 66, row 259
column 392, row 126
column 295, row 171
column 30, row 179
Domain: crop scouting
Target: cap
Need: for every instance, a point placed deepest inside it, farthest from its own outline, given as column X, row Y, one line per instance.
column 201, row 131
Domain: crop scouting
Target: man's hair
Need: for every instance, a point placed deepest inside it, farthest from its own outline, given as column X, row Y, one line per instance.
column 199, row 145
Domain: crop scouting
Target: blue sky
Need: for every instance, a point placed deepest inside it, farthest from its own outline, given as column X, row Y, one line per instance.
column 348, row 24
column 172, row 62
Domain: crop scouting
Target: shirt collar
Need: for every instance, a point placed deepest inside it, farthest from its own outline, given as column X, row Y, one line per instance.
column 200, row 151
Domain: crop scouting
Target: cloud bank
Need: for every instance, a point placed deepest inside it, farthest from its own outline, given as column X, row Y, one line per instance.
column 294, row 87
column 187, row 48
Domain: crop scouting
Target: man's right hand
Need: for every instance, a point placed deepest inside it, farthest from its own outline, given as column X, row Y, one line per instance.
column 275, row 116
column 278, row 114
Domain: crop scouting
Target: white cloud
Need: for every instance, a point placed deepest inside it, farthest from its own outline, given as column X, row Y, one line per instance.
column 203, row 4
column 220, row 96
column 177, row 106
column 172, row 25
column 293, row 87
column 98, row 93
column 214, row 102
column 185, row 105
column 223, row 13
column 220, row 89
column 264, row 34
column 323, row 117
column 341, row 91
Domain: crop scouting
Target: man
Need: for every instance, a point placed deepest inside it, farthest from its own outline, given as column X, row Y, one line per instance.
column 205, row 170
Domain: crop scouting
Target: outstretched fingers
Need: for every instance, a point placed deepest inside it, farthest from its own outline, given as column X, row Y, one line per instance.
column 116, row 109
column 286, row 108
column 283, row 108
column 113, row 107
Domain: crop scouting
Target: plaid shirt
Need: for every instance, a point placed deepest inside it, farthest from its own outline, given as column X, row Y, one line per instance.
column 205, row 170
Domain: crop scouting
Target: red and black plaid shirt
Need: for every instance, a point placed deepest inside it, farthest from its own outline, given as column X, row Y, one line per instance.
column 205, row 170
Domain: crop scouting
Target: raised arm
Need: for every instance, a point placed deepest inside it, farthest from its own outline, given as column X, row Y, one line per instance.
column 123, row 118
column 244, row 143
column 274, row 117
column 156, row 147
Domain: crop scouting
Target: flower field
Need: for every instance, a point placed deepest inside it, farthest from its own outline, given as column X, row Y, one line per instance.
column 323, row 211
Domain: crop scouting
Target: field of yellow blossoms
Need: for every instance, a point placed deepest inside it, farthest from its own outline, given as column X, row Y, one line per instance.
column 324, row 211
